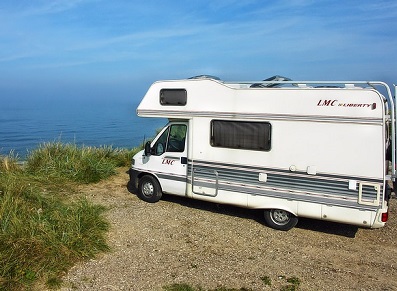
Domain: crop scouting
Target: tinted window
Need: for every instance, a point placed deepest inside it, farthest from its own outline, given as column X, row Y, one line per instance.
column 176, row 97
column 241, row 135
column 176, row 141
column 171, row 140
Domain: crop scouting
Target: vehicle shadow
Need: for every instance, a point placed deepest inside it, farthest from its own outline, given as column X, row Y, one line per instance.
column 329, row 227
column 257, row 215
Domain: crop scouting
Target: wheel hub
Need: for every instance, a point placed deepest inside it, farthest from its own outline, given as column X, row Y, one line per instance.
column 280, row 216
column 148, row 189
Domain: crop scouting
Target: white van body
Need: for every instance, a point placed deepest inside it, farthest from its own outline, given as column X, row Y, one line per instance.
column 292, row 148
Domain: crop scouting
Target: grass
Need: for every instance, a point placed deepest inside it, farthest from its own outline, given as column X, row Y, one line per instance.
column 179, row 287
column 293, row 285
column 266, row 280
column 187, row 287
column 79, row 164
column 42, row 232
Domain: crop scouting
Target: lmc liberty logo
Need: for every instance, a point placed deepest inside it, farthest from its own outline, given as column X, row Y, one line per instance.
column 335, row 102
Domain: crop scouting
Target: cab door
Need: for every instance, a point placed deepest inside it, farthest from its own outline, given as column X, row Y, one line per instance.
column 168, row 159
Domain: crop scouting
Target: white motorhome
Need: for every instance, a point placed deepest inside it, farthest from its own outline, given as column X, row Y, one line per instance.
column 310, row 149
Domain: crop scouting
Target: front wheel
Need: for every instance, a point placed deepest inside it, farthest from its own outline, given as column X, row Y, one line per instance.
column 149, row 189
column 280, row 219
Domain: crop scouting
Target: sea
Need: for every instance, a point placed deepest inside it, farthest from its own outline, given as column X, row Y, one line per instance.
column 26, row 124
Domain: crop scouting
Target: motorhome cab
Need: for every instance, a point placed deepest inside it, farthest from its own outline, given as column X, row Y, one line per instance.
column 292, row 148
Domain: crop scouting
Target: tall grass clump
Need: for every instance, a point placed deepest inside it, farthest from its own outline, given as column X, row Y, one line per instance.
column 41, row 233
column 41, row 238
column 79, row 164
column 9, row 164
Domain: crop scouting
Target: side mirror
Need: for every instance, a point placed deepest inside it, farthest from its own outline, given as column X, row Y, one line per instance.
column 147, row 149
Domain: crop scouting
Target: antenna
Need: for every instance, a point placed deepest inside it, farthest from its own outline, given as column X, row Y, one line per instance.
column 144, row 140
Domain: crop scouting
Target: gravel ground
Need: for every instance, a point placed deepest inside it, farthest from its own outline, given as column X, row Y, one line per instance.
column 178, row 240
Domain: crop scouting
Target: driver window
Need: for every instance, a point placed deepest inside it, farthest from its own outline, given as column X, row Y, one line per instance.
column 176, row 141
column 171, row 140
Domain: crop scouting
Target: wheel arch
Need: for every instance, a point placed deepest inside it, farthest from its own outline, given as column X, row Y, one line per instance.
column 142, row 174
column 289, row 208
column 136, row 175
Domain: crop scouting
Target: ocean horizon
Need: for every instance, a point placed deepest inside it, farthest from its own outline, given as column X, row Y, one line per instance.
column 25, row 124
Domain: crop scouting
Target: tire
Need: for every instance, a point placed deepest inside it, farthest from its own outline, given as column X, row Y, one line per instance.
column 149, row 189
column 280, row 219
column 131, row 187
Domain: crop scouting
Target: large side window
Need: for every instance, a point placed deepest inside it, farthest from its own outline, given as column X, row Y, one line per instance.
column 241, row 135
column 176, row 97
column 171, row 140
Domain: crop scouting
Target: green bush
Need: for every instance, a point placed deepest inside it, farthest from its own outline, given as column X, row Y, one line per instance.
column 42, row 234
column 41, row 237
column 79, row 164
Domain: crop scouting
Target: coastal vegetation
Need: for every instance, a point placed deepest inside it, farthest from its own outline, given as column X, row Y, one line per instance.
column 44, row 228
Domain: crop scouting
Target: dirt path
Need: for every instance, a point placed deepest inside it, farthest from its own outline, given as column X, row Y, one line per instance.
column 179, row 240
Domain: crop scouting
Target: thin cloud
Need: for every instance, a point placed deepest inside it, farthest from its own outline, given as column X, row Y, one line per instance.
column 226, row 33
column 43, row 7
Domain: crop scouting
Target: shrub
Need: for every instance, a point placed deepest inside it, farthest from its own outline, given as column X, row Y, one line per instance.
column 79, row 164
column 41, row 233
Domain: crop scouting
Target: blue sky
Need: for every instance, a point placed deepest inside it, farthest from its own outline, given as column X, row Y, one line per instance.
column 116, row 49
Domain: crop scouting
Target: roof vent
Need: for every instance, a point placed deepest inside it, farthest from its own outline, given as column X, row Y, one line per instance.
column 205, row 77
column 267, row 82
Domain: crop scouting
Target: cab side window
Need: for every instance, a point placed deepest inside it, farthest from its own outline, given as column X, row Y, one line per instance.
column 177, row 137
column 160, row 145
column 171, row 140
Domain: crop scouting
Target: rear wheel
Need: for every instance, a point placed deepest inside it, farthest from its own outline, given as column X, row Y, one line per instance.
column 149, row 189
column 280, row 219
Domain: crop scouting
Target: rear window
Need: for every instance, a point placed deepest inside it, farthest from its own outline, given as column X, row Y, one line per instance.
column 175, row 97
